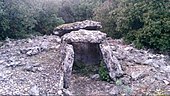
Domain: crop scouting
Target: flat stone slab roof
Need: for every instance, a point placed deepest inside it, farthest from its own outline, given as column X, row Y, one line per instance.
column 86, row 24
column 84, row 36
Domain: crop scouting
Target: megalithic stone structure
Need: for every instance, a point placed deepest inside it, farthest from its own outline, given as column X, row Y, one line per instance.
column 87, row 38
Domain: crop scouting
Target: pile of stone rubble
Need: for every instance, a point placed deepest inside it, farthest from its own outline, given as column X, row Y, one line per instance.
column 128, row 53
column 43, row 65
column 25, row 66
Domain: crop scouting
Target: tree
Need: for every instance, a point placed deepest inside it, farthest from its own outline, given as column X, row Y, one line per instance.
column 20, row 18
column 77, row 10
column 15, row 19
column 47, row 18
column 102, row 13
column 145, row 23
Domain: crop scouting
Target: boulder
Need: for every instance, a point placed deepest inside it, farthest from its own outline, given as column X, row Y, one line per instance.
column 84, row 36
column 87, row 24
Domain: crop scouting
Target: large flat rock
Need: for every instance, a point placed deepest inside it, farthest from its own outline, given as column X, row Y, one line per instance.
column 84, row 36
column 87, row 24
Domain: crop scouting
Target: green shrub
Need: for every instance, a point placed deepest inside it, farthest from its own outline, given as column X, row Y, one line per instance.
column 20, row 18
column 145, row 23
column 102, row 13
column 15, row 20
column 47, row 20
column 103, row 72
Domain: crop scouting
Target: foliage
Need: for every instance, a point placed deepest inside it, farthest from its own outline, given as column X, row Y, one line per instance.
column 102, row 14
column 77, row 10
column 84, row 69
column 19, row 18
column 103, row 73
column 144, row 23
column 14, row 19
column 47, row 19
column 83, row 11
column 118, row 82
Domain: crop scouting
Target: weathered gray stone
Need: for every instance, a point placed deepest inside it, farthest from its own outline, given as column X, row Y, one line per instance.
column 32, row 68
column 111, row 61
column 113, row 91
column 67, row 54
column 87, row 24
column 20, row 73
column 2, row 61
column 49, row 81
column 95, row 76
column 84, row 36
column 34, row 90
column 166, row 82
column 165, row 68
column 128, row 53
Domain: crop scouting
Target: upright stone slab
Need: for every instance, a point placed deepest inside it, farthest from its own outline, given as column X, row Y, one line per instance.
column 110, row 60
column 67, row 54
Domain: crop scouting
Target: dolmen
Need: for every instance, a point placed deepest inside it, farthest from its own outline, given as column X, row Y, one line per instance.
column 82, row 41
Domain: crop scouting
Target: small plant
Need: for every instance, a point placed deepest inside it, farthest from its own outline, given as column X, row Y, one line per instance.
column 79, row 67
column 103, row 73
column 118, row 82
column 160, row 93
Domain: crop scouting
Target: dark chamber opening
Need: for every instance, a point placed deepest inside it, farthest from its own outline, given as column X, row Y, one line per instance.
column 87, row 58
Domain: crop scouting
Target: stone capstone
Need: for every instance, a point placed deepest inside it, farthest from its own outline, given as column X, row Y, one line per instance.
column 87, row 24
column 84, row 36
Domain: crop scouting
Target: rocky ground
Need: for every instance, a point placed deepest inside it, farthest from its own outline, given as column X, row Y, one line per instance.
column 33, row 66
column 30, row 66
